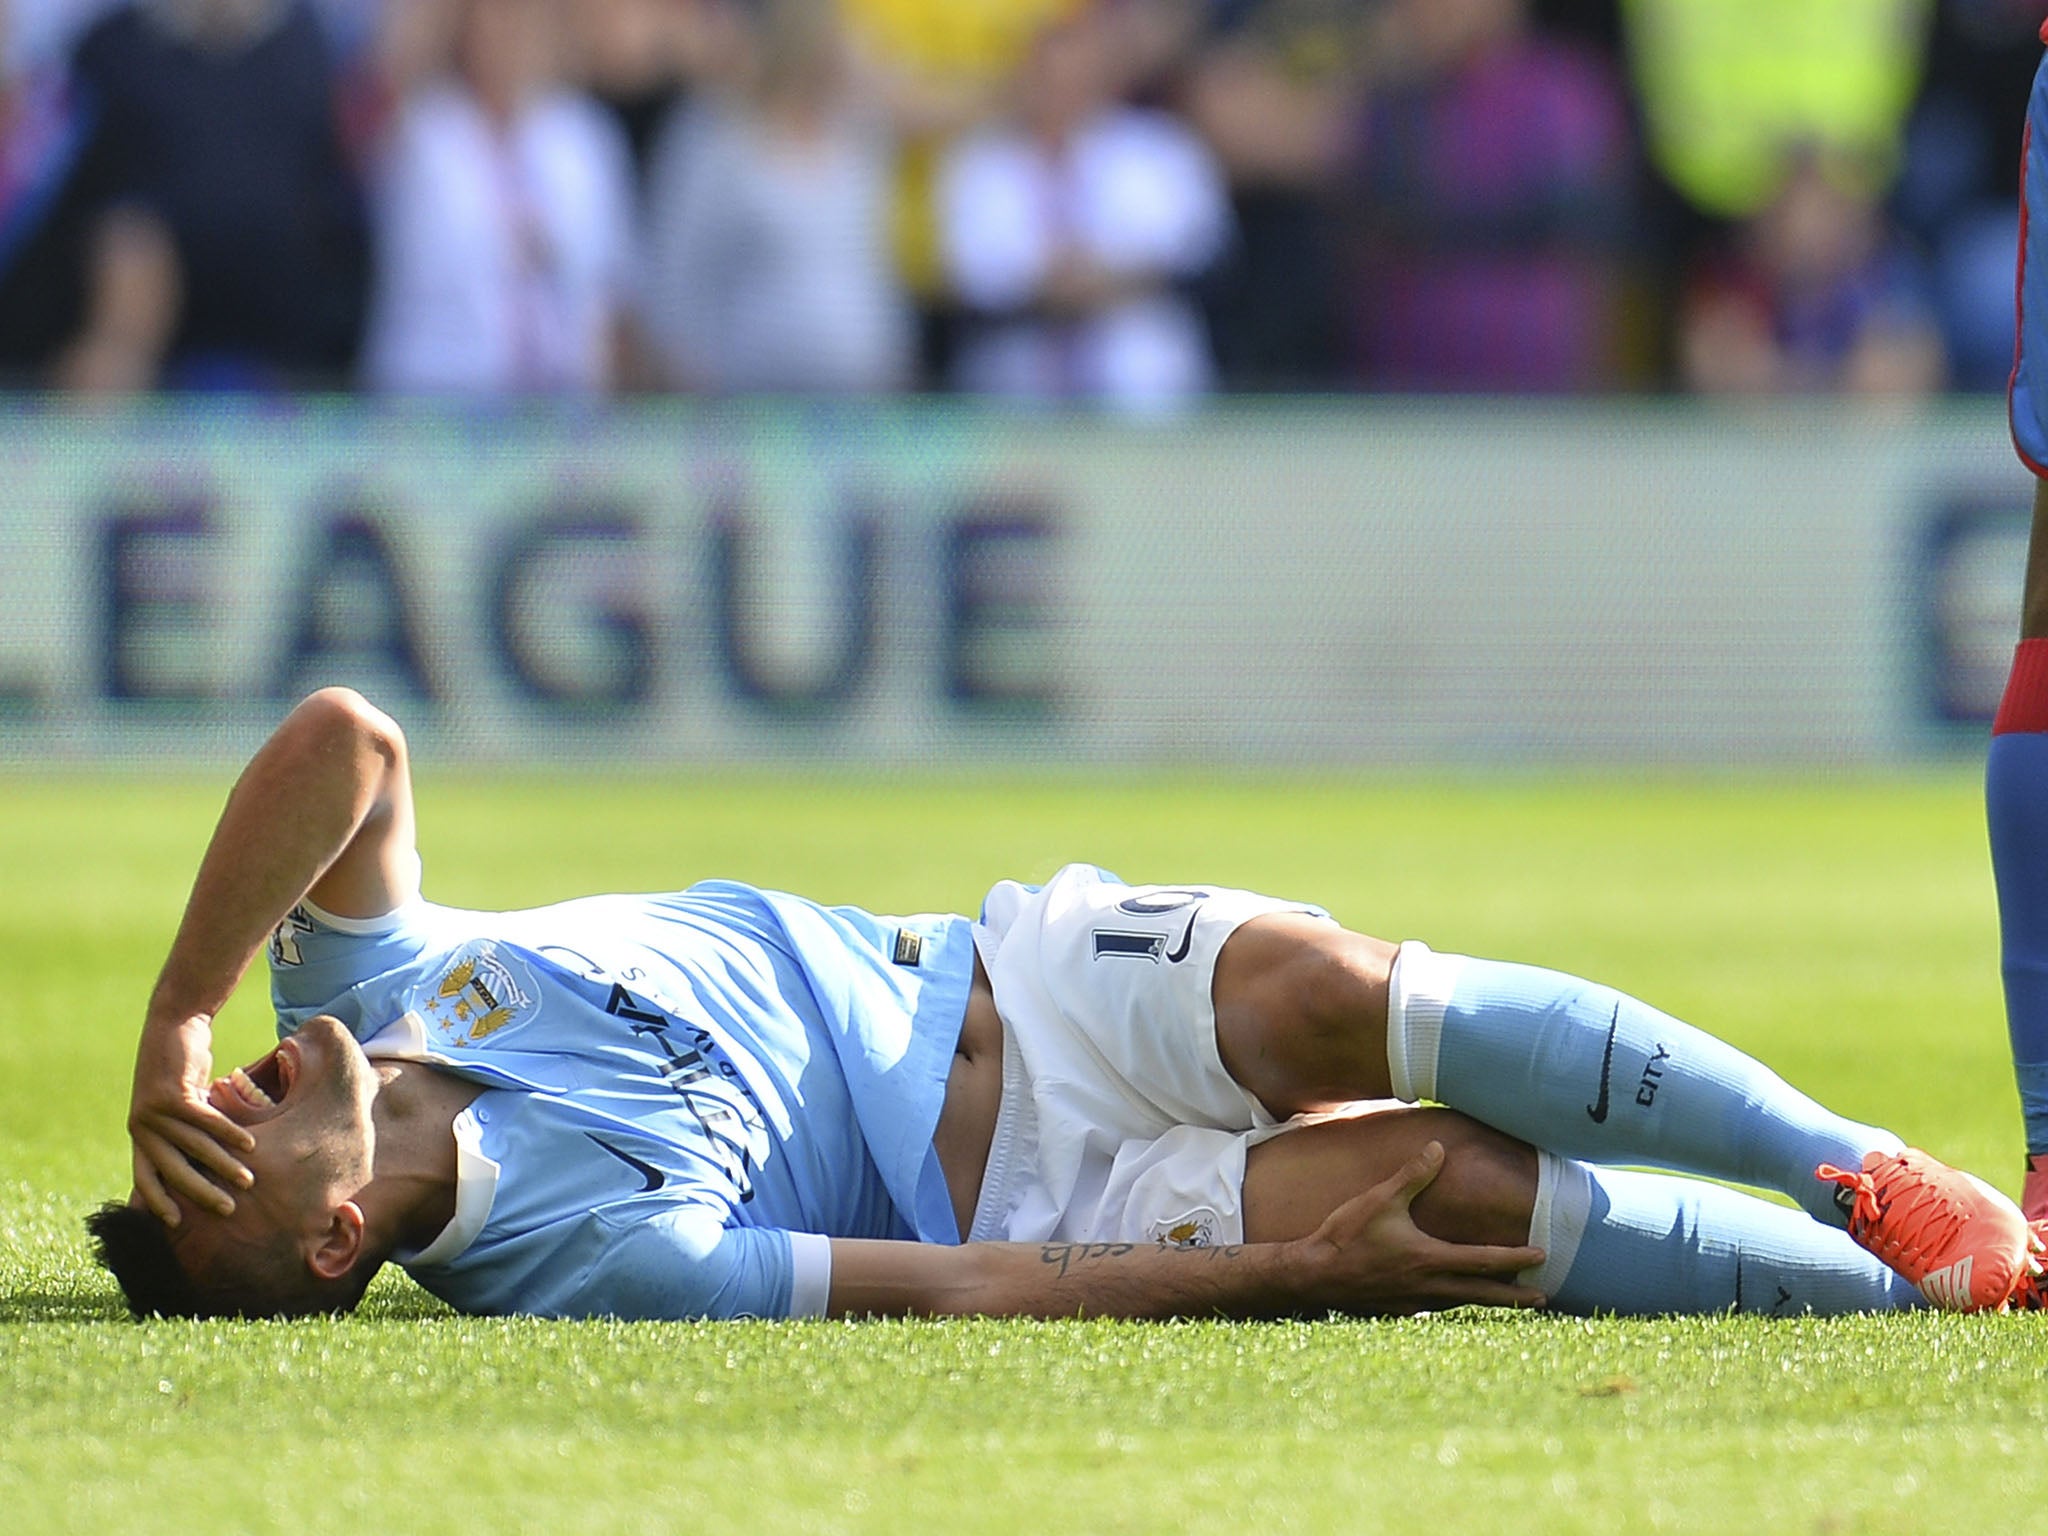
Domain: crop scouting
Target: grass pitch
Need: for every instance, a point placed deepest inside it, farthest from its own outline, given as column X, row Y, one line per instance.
column 1844, row 932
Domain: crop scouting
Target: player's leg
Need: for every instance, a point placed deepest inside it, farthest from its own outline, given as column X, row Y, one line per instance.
column 1308, row 1015
column 1139, row 1013
column 1485, row 1192
column 1617, row 1241
column 1303, row 1011
column 2016, row 773
column 1221, row 1008
column 2016, row 816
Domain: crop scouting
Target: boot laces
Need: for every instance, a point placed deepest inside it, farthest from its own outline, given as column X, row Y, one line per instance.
column 1903, row 1218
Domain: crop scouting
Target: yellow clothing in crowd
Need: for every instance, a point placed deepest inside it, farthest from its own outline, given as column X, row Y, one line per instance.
column 1728, row 86
column 976, row 40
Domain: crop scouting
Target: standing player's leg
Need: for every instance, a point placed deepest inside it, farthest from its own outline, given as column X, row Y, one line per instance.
column 2016, row 815
column 1616, row 1241
column 1308, row 1016
column 2016, row 772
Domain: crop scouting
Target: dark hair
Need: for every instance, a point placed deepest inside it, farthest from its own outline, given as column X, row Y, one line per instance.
column 132, row 1243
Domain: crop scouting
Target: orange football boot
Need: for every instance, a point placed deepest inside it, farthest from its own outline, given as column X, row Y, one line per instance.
column 1960, row 1241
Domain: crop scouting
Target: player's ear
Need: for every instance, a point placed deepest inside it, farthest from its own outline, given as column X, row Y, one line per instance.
column 332, row 1249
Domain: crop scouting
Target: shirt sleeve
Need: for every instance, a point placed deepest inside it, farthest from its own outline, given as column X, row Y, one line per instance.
column 321, row 963
column 687, row 1263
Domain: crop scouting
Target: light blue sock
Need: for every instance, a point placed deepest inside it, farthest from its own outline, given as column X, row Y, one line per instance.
column 1648, row 1243
column 1591, row 1073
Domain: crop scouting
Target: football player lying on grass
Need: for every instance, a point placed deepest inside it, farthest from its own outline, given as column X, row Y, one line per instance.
column 1095, row 1099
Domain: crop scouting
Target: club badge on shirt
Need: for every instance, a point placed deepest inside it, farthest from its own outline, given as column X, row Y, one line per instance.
column 480, row 993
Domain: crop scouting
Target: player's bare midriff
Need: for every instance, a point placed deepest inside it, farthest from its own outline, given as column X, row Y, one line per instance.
column 974, row 1092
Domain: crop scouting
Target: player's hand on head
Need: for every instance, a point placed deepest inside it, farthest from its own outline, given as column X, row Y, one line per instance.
column 1370, row 1256
column 184, row 1148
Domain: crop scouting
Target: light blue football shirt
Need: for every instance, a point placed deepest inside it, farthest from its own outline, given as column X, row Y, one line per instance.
column 685, row 1094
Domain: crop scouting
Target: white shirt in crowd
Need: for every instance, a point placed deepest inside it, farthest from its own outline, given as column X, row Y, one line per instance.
column 1137, row 193
column 503, row 254
column 768, row 261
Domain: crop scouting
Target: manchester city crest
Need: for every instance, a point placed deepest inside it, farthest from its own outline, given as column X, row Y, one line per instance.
column 479, row 994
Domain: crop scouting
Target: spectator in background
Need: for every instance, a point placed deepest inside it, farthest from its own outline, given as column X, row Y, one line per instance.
column 968, row 48
column 1954, row 196
column 1270, row 90
column 234, row 256
column 53, row 185
column 768, row 265
column 1725, row 85
column 504, row 216
column 640, row 59
column 1073, row 232
column 1489, row 196
column 1817, row 294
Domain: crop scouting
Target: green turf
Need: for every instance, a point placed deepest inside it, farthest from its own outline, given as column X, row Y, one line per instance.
column 1844, row 931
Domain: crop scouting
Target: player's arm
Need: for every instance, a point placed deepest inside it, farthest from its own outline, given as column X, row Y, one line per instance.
column 1368, row 1256
column 324, row 810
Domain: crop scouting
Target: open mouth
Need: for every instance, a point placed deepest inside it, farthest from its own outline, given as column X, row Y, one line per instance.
column 263, row 1086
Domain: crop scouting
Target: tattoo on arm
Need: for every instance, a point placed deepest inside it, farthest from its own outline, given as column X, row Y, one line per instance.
column 1066, row 1255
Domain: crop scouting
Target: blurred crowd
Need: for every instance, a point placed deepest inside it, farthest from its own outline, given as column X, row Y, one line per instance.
column 1125, row 202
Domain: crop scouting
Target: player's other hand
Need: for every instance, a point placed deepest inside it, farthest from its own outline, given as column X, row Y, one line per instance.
column 179, row 1136
column 1369, row 1256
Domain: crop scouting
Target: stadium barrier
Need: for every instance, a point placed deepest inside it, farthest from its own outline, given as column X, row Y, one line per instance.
column 1321, row 584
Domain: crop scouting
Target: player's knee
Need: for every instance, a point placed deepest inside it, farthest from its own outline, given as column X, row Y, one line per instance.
column 1301, row 1009
column 1343, row 982
column 1302, row 973
column 1486, row 1191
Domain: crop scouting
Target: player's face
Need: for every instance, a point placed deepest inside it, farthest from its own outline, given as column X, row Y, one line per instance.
column 308, row 1106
